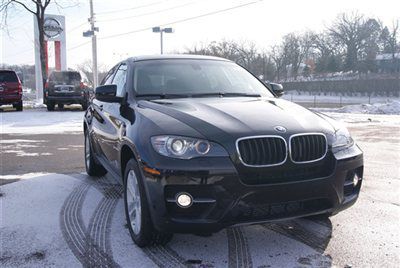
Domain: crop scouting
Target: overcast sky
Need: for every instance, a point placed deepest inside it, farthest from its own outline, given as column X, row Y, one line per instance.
column 262, row 22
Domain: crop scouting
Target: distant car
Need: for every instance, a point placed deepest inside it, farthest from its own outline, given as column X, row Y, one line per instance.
column 64, row 88
column 10, row 89
column 200, row 144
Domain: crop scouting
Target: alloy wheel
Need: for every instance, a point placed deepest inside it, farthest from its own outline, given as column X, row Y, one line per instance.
column 133, row 202
column 87, row 150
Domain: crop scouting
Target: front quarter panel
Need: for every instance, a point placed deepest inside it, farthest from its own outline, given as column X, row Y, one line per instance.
column 150, row 123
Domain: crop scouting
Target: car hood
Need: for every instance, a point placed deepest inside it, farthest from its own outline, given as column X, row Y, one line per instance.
column 218, row 118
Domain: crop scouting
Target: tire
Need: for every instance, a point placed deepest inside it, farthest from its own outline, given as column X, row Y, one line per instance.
column 141, row 229
column 50, row 106
column 19, row 106
column 60, row 106
column 85, row 105
column 92, row 167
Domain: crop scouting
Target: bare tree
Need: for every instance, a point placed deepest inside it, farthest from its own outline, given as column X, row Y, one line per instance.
column 296, row 49
column 327, row 52
column 350, row 31
column 241, row 52
column 278, row 56
column 390, row 38
column 86, row 67
column 38, row 9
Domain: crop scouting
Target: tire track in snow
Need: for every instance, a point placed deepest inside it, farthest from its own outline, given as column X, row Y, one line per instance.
column 71, row 222
column 296, row 231
column 238, row 248
column 165, row 257
column 96, row 249
column 90, row 246
column 100, row 224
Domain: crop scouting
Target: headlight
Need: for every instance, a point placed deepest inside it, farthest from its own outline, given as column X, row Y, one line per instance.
column 342, row 138
column 186, row 148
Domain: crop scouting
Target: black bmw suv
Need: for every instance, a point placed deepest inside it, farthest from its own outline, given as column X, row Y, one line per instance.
column 200, row 144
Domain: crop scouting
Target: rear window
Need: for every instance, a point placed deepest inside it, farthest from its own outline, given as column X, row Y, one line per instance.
column 67, row 77
column 8, row 76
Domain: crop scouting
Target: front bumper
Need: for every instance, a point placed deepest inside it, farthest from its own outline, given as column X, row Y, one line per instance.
column 78, row 99
column 221, row 198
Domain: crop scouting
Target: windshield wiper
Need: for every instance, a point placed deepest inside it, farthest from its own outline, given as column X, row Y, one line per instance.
column 163, row 95
column 224, row 94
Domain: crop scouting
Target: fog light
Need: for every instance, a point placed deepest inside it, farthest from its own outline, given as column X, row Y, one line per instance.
column 184, row 200
column 355, row 180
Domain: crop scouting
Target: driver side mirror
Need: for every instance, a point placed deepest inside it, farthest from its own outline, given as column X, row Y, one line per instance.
column 277, row 89
column 107, row 93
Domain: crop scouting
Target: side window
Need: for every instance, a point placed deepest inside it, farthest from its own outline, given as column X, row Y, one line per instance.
column 120, row 79
column 109, row 76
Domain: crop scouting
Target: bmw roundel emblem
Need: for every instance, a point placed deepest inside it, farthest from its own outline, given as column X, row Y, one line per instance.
column 280, row 129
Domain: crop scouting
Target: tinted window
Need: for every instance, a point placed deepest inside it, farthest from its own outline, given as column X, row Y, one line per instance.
column 8, row 76
column 65, row 77
column 182, row 76
column 120, row 79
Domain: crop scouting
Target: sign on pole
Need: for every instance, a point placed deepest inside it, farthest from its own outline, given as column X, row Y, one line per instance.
column 54, row 31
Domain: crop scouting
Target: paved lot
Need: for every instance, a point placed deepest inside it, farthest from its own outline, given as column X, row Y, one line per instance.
column 48, row 153
column 66, row 218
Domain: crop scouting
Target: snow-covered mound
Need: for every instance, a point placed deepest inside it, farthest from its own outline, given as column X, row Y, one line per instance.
column 391, row 107
column 33, row 104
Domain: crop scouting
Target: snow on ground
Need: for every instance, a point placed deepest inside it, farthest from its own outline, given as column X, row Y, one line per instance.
column 54, row 220
column 23, row 176
column 31, row 236
column 365, row 119
column 391, row 107
column 75, row 228
column 293, row 96
column 41, row 122
column 33, row 104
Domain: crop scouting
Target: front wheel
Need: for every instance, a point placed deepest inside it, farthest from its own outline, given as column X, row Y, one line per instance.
column 18, row 106
column 85, row 105
column 92, row 168
column 50, row 106
column 137, row 211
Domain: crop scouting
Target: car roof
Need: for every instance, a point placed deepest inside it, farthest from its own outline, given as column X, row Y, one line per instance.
column 5, row 70
column 175, row 56
column 69, row 71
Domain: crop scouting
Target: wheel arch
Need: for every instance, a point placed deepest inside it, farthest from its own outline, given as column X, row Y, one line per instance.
column 127, row 153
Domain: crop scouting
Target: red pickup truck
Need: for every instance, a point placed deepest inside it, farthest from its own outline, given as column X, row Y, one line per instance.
column 10, row 89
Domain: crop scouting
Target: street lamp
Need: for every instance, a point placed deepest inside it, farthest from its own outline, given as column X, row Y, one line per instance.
column 161, row 31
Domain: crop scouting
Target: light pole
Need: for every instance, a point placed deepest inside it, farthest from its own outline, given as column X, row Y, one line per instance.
column 92, row 33
column 161, row 31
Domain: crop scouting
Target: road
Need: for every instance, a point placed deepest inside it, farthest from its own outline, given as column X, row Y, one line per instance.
column 66, row 218
column 48, row 153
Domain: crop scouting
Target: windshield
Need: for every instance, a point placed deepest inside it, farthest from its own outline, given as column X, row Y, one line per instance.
column 8, row 76
column 65, row 77
column 195, row 78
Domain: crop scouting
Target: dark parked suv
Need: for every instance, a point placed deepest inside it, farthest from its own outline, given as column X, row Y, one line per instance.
column 10, row 89
column 200, row 144
column 65, row 87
